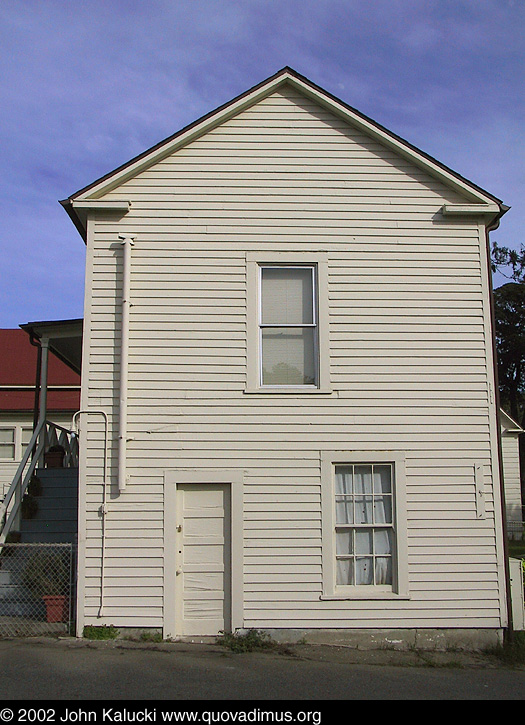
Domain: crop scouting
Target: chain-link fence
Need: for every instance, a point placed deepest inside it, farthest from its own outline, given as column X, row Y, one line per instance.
column 36, row 589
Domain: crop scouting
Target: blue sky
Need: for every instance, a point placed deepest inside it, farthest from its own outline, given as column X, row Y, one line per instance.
column 85, row 86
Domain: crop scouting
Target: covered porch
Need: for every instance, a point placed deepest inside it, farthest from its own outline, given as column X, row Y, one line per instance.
column 63, row 338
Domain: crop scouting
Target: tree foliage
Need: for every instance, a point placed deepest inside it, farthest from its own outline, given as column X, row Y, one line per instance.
column 509, row 308
column 509, row 312
column 509, row 262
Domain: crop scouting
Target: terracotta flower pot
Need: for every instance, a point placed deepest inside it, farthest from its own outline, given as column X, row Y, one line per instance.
column 54, row 459
column 57, row 607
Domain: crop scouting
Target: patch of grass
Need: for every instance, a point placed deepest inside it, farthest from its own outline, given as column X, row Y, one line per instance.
column 251, row 641
column 511, row 653
column 151, row 637
column 103, row 632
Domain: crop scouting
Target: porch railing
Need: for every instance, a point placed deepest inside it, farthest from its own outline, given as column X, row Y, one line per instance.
column 45, row 436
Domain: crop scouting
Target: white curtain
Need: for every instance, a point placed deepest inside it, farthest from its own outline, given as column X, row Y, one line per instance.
column 364, row 496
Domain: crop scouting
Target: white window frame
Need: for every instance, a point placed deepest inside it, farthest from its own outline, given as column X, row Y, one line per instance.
column 18, row 446
column 311, row 325
column 399, row 587
column 255, row 262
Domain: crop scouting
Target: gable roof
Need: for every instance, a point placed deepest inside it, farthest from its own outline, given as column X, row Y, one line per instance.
column 90, row 196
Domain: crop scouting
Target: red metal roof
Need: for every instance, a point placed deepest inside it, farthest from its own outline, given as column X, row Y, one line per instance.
column 18, row 364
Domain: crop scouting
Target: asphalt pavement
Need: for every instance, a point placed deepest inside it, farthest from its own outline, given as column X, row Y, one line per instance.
column 41, row 671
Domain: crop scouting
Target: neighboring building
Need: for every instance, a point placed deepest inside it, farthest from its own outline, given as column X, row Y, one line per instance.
column 510, row 433
column 288, row 332
column 19, row 397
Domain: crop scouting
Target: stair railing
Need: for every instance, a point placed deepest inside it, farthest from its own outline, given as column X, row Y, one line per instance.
column 53, row 434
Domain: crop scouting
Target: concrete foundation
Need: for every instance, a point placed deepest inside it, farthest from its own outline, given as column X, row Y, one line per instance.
column 401, row 640
column 438, row 640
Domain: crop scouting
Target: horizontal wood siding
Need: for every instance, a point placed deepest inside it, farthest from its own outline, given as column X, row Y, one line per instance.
column 408, row 330
column 511, row 473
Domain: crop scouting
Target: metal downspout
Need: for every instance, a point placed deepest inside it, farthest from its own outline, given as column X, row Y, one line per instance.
column 127, row 245
column 510, row 627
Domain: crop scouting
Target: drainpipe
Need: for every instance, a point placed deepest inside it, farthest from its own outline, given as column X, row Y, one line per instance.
column 509, row 632
column 127, row 245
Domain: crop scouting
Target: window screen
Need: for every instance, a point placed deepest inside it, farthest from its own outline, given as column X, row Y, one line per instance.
column 288, row 327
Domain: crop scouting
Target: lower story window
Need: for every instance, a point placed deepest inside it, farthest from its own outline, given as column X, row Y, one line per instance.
column 363, row 526
column 365, row 546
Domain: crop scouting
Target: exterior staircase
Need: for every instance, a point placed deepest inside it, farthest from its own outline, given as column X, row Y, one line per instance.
column 54, row 522
column 56, row 518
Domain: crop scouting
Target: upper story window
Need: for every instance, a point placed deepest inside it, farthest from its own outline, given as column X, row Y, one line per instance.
column 288, row 326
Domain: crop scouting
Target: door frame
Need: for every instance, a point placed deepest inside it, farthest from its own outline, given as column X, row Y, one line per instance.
column 234, row 479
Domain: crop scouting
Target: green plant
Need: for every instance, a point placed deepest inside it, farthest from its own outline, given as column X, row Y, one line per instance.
column 151, row 637
column 34, row 487
column 105, row 631
column 29, row 506
column 47, row 573
column 511, row 653
column 251, row 641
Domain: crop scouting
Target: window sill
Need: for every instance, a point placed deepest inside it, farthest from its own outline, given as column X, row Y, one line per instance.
column 363, row 596
column 288, row 391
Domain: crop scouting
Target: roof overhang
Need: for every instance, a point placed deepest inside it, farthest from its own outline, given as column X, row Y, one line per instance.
column 64, row 336
column 509, row 423
column 79, row 203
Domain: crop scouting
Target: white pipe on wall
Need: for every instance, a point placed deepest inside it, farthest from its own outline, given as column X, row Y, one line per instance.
column 127, row 245
column 104, row 507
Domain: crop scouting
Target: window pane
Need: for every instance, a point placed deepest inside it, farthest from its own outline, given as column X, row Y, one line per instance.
column 344, row 543
column 383, row 570
column 345, row 572
column 363, row 479
column 383, row 541
column 364, row 541
column 363, row 510
column 27, row 434
column 343, row 479
column 287, row 296
column 7, row 451
column 7, row 435
column 383, row 509
column 364, row 570
column 288, row 356
column 382, row 479
column 344, row 510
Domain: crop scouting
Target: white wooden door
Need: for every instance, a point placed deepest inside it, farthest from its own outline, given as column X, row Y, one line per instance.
column 203, row 580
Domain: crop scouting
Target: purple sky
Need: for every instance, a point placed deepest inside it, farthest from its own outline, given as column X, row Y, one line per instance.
column 85, row 86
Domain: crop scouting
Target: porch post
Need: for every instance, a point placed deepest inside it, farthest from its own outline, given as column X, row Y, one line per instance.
column 44, row 345
column 42, row 415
